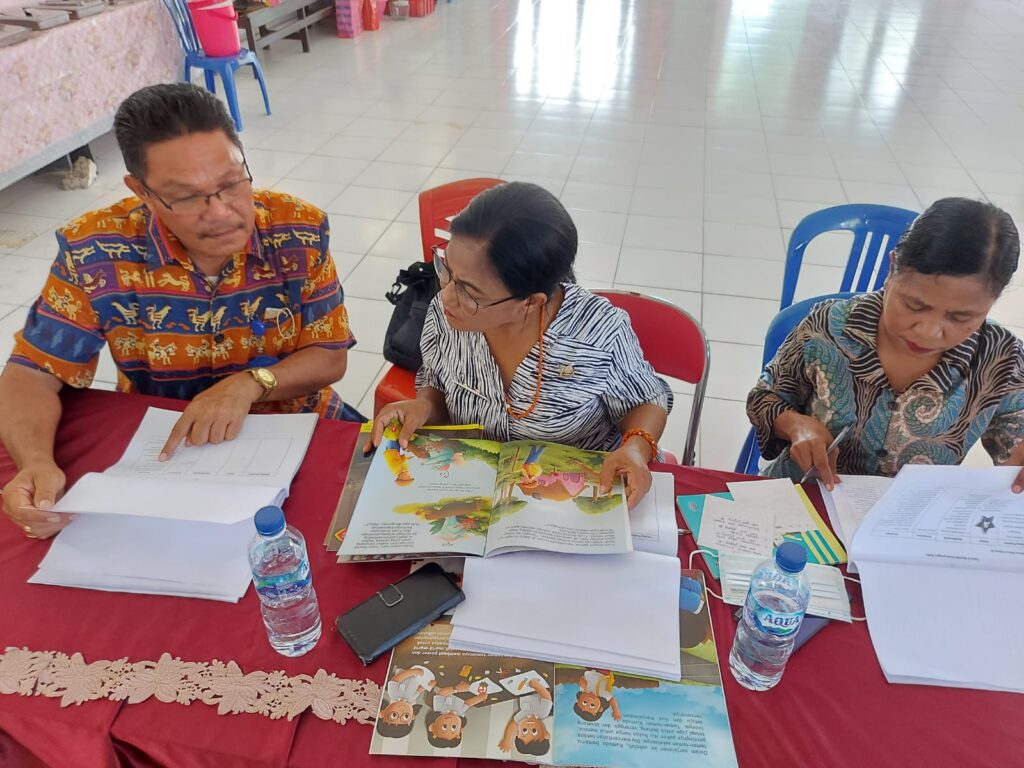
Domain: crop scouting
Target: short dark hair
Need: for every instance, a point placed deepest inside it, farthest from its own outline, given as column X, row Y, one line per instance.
column 442, row 743
column 162, row 112
column 538, row 747
column 957, row 236
column 531, row 240
column 590, row 717
column 397, row 730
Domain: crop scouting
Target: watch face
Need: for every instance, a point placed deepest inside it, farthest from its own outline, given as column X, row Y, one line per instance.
column 264, row 377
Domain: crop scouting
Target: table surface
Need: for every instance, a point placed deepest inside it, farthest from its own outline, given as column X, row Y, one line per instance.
column 833, row 706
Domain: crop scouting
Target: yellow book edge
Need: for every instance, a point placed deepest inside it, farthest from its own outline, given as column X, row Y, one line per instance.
column 823, row 528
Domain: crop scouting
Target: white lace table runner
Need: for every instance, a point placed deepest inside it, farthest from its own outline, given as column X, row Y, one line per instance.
column 224, row 685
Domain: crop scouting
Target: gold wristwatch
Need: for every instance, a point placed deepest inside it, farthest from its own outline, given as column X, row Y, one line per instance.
column 265, row 378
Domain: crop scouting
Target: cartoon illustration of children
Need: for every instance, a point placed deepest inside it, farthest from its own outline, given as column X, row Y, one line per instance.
column 397, row 461
column 448, row 718
column 553, row 486
column 405, row 698
column 527, row 725
column 440, row 455
column 452, row 519
column 595, row 696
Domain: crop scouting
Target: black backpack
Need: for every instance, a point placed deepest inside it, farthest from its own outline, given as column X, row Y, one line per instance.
column 411, row 294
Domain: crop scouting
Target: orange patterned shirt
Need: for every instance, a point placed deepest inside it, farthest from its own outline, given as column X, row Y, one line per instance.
column 122, row 280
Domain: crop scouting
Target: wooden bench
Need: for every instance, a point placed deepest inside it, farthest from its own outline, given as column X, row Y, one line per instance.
column 291, row 20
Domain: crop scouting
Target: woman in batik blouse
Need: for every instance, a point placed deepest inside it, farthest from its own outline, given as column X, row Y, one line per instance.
column 915, row 369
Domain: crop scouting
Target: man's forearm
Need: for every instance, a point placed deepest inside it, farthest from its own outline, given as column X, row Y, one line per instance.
column 30, row 410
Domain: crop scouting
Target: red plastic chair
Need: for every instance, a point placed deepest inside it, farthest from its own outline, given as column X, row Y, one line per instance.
column 674, row 344
column 437, row 208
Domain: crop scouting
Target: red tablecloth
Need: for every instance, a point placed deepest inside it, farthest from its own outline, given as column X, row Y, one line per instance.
column 833, row 706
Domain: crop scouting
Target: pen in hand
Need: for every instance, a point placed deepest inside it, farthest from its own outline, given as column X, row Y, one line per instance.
column 813, row 472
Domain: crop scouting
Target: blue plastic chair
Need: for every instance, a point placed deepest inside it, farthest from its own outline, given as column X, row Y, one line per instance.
column 876, row 230
column 224, row 66
column 780, row 327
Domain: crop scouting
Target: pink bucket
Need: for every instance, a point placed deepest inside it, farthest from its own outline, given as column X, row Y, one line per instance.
column 216, row 25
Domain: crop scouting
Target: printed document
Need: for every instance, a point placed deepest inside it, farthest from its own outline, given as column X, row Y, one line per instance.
column 941, row 561
column 179, row 527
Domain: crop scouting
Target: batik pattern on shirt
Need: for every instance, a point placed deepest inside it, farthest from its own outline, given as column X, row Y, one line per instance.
column 120, row 279
column 594, row 374
column 829, row 368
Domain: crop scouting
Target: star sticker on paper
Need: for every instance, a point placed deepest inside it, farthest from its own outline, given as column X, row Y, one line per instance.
column 986, row 523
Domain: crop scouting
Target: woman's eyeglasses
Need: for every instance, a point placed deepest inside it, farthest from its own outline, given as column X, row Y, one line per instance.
column 444, row 275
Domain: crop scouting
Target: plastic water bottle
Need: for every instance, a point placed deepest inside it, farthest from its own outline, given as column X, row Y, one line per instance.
column 778, row 596
column 280, row 571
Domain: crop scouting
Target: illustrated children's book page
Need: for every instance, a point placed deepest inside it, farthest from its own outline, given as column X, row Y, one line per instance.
column 432, row 497
column 356, row 477
column 609, row 719
column 443, row 703
column 548, row 497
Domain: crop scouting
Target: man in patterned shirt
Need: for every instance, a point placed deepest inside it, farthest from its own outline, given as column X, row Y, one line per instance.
column 203, row 289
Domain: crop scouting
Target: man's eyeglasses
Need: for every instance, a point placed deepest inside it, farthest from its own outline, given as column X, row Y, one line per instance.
column 444, row 275
column 233, row 191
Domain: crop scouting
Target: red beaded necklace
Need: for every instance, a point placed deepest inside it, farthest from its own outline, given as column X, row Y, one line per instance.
column 540, row 376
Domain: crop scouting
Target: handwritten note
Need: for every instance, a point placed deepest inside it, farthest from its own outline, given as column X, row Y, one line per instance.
column 776, row 497
column 732, row 526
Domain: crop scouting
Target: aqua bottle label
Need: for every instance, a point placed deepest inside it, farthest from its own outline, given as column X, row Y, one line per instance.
column 285, row 585
column 773, row 622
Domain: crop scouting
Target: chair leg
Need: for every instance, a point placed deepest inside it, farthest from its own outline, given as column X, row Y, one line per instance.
column 211, row 80
column 188, row 72
column 257, row 71
column 228, row 76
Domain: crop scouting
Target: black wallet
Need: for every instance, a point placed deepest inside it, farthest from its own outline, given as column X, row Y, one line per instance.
column 398, row 611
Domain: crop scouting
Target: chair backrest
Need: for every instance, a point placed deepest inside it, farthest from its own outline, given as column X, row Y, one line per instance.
column 673, row 343
column 438, row 206
column 178, row 9
column 876, row 230
column 778, row 329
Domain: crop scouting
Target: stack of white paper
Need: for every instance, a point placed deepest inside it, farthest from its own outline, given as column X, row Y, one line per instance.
column 941, row 560
column 179, row 527
column 608, row 611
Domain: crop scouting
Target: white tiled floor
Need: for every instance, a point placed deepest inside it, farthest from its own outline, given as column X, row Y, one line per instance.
column 688, row 137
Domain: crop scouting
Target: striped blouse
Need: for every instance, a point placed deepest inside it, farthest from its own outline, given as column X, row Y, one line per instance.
column 594, row 374
column 828, row 368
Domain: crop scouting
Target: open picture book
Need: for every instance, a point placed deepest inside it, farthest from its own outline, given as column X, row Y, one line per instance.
column 442, row 702
column 446, row 494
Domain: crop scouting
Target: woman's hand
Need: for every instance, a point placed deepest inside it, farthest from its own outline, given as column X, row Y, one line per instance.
column 1017, row 460
column 411, row 414
column 29, row 498
column 809, row 440
column 630, row 463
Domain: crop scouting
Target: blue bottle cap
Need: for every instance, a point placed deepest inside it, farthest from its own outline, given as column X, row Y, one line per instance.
column 791, row 557
column 258, row 327
column 269, row 521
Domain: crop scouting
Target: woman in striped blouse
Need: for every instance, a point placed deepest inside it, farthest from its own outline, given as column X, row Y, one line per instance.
column 512, row 343
column 915, row 370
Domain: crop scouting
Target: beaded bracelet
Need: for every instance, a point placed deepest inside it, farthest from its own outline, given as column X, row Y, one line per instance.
column 646, row 436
